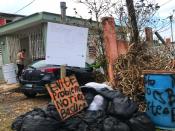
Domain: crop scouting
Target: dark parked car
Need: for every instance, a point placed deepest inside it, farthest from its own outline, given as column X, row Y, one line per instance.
column 36, row 75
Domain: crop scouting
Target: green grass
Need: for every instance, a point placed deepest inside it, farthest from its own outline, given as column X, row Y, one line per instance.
column 5, row 121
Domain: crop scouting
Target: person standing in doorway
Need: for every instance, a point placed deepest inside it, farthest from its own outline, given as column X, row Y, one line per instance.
column 20, row 62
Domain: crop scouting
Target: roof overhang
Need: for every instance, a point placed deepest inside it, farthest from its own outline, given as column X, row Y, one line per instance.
column 23, row 23
column 28, row 22
column 38, row 18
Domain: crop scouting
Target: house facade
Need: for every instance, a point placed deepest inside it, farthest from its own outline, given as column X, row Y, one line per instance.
column 30, row 33
column 6, row 18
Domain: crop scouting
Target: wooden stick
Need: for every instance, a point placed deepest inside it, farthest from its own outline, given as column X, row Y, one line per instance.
column 63, row 71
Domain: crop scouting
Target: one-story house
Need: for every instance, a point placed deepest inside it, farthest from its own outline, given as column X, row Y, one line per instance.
column 30, row 33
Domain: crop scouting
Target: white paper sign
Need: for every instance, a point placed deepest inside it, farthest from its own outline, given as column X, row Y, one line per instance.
column 66, row 45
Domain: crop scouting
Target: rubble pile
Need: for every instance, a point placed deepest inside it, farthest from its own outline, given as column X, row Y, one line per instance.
column 129, row 67
column 108, row 110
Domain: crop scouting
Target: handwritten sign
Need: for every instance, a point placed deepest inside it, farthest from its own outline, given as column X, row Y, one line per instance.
column 67, row 96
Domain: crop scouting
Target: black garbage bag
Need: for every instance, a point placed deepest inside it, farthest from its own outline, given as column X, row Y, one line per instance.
column 122, row 107
column 95, row 127
column 82, row 127
column 52, row 112
column 89, row 93
column 109, row 94
column 113, row 124
column 141, row 122
column 35, row 120
column 71, row 124
column 39, row 123
column 94, row 120
column 93, row 116
column 75, row 123
column 17, row 123
column 84, row 121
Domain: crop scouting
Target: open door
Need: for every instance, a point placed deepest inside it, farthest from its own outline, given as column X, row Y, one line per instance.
column 24, row 42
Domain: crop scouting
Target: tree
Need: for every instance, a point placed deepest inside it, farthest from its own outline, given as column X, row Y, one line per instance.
column 139, row 13
column 133, row 21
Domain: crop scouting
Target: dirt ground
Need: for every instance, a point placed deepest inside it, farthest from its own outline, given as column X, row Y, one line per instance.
column 13, row 104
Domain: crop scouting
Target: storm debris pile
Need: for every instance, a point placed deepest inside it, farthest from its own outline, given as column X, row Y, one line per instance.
column 108, row 110
column 129, row 67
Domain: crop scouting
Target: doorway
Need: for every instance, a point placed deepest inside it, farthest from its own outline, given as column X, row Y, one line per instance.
column 24, row 43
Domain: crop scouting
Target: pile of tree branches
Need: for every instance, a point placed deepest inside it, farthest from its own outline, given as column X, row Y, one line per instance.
column 129, row 67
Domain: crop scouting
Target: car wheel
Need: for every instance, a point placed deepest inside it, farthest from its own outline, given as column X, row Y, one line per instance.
column 30, row 94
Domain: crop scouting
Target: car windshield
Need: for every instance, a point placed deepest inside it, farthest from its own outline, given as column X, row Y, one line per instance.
column 38, row 64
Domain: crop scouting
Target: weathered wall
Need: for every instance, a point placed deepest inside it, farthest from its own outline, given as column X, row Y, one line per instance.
column 4, row 56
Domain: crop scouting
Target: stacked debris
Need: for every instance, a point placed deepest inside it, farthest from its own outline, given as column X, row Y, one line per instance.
column 129, row 67
column 108, row 110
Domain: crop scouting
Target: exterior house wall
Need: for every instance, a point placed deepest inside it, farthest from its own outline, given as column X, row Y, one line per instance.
column 4, row 56
column 10, row 17
column 35, row 28
column 30, row 39
column 11, row 44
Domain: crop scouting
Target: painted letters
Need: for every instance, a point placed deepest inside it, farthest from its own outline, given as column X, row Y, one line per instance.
column 67, row 96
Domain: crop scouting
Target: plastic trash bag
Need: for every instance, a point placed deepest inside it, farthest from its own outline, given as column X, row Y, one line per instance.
column 108, row 110
column 113, row 124
column 122, row 107
column 94, row 120
column 141, row 122
column 39, row 123
column 35, row 120
column 109, row 94
column 88, row 93
column 82, row 127
column 98, row 103
column 52, row 112
column 93, row 116
column 17, row 123
column 71, row 123
column 98, row 86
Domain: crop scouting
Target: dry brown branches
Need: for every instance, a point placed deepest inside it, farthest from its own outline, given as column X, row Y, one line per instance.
column 129, row 67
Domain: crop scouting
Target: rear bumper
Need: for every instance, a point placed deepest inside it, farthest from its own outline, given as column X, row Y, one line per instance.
column 31, row 82
column 33, row 88
column 45, row 80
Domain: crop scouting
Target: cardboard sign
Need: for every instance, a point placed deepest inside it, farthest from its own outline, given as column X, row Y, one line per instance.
column 67, row 96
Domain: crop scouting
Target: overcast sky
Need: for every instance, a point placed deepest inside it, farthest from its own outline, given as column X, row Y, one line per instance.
column 12, row 6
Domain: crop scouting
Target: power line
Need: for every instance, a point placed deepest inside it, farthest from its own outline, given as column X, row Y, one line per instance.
column 25, row 6
column 164, row 26
column 164, row 30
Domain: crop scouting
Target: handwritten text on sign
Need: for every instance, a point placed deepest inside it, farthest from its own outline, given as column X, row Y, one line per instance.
column 67, row 96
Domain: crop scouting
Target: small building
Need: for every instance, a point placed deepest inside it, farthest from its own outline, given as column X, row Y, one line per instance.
column 30, row 33
column 6, row 18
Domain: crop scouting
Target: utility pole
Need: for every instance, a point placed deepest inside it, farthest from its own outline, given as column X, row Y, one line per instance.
column 133, row 21
column 171, row 21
